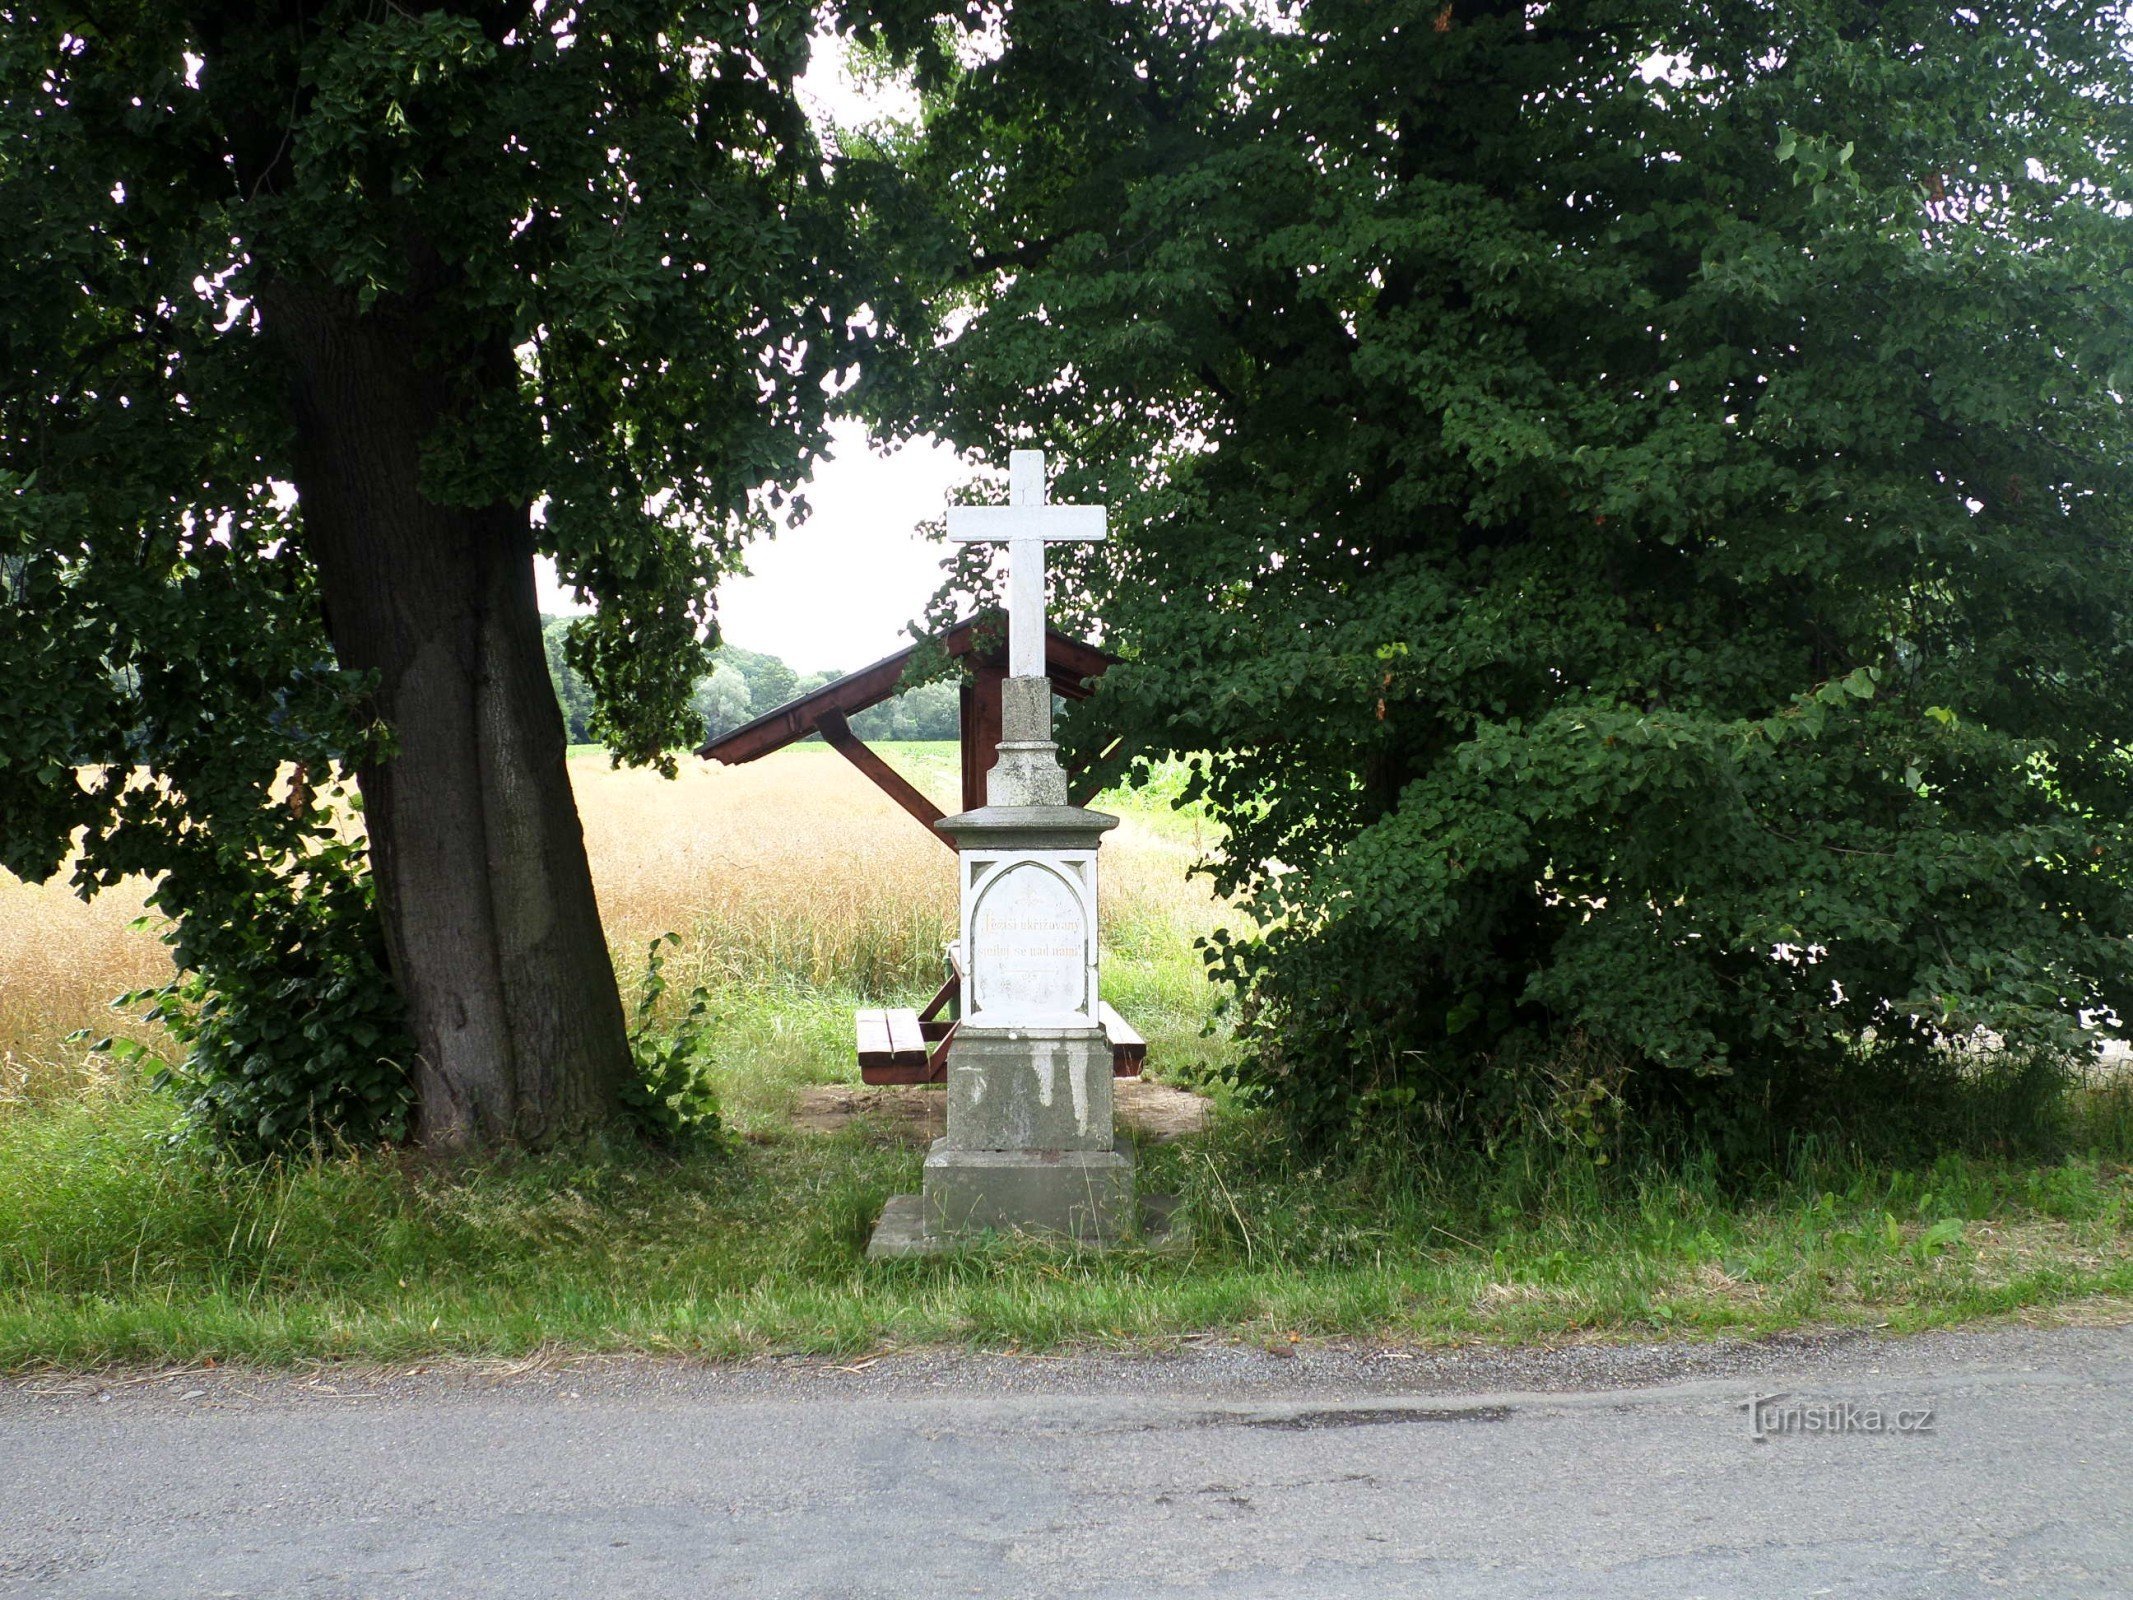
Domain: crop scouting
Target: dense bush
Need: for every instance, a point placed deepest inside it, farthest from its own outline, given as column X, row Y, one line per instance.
column 1634, row 496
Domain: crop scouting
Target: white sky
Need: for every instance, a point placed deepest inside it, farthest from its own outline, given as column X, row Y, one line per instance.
column 837, row 590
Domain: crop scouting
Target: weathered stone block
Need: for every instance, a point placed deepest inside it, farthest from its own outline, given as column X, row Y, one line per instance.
column 1085, row 1195
column 1029, row 1089
column 1027, row 771
column 1026, row 775
column 1026, row 712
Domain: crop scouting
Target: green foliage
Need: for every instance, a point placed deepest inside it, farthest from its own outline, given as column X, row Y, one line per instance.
column 573, row 696
column 770, row 681
column 162, row 690
column 291, row 1029
column 930, row 711
column 674, row 1098
column 1632, row 496
column 630, row 278
column 721, row 700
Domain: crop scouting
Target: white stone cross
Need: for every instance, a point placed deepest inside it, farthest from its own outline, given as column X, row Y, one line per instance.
column 1025, row 525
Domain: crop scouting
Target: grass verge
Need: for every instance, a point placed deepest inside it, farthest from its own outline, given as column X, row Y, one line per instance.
column 117, row 1247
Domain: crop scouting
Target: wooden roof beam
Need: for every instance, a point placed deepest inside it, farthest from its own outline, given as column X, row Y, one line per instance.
column 1069, row 662
column 796, row 719
column 833, row 728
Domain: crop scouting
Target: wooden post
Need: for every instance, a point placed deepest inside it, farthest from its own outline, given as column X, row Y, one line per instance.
column 981, row 729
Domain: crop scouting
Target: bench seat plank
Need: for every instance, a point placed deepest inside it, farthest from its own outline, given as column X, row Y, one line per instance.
column 894, row 1046
column 891, row 1044
column 872, row 1031
column 907, row 1040
column 1128, row 1048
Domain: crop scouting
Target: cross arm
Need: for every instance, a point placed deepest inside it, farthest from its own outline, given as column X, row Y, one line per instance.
column 1006, row 524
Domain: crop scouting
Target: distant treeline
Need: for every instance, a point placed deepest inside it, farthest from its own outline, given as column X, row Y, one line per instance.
column 743, row 684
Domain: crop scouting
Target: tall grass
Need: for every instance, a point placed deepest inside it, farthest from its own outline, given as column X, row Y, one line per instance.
column 61, row 961
column 799, row 890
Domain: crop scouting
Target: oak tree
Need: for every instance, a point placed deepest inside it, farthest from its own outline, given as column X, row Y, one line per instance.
column 318, row 319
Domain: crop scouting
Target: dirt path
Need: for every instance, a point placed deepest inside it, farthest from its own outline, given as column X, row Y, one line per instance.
column 1146, row 1109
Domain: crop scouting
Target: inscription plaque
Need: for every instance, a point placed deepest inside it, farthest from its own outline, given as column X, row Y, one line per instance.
column 1030, row 940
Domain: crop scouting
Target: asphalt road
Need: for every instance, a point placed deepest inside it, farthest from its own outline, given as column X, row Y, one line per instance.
column 1213, row 1472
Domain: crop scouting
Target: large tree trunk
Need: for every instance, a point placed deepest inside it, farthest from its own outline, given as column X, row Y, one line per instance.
column 490, row 920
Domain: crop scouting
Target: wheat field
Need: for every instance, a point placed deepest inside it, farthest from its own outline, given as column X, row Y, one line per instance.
column 795, row 886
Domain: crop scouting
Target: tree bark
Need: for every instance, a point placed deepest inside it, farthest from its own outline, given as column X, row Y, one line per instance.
column 490, row 918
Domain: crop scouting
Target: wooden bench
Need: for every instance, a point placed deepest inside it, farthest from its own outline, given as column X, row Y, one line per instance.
column 1128, row 1048
column 897, row 1045
column 892, row 1047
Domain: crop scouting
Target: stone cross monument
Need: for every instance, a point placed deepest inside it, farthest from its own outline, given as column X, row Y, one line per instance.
column 1029, row 1143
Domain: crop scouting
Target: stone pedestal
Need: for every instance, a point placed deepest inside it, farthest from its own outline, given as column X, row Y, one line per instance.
column 1029, row 1089
column 1085, row 1196
column 1030, row 1145
column 1027, row 772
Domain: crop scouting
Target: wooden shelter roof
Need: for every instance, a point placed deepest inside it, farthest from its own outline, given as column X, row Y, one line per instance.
column 1069, row 662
